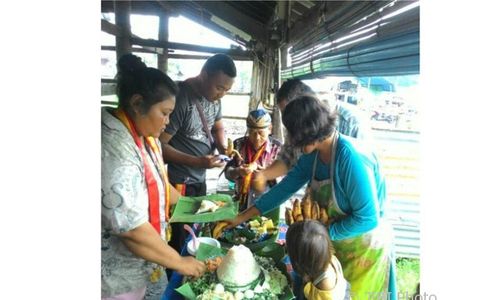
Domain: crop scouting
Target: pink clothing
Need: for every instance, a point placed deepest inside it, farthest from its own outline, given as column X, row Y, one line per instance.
column 133, row 295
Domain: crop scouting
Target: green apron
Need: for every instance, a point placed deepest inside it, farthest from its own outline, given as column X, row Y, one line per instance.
column 365, row 258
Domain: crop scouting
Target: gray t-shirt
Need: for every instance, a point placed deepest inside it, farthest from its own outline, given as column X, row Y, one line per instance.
column 188, row 135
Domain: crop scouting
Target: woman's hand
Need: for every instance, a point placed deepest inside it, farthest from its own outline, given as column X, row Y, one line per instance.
column 242, row 217
column 191, row 267
column 234, row 222
column 259, row 182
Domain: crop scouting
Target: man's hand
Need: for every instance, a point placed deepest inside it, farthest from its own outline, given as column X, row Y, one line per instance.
column 211, row 161
column 246, row 169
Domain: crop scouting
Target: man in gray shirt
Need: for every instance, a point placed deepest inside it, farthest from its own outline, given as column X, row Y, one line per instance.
column 196, row 130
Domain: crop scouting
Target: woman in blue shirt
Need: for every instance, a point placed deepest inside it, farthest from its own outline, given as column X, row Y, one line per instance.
column 344, row 178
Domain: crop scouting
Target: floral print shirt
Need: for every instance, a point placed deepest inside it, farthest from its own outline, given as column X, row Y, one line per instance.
column 124, row 207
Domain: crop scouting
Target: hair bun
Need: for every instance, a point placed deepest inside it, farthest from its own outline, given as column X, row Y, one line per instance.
column 130, row 63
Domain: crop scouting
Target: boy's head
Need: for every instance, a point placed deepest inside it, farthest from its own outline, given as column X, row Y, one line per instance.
column 259, row 127
column 308, row 121
column 290, row 90
column 309, row 248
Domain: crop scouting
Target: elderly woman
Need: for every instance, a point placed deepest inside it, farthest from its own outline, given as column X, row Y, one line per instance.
column 135, row 193
column 344, row 178
column 258, row 150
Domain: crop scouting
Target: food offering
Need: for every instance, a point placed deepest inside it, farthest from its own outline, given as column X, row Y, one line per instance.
column 239, row 274
column 254, row 234
column 209, row 206
column 204, row 209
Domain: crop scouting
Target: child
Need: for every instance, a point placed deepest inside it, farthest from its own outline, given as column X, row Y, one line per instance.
column 311, row 253
column 258, row 150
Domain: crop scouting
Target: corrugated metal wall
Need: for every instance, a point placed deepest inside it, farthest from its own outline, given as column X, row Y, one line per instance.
column 400, row 159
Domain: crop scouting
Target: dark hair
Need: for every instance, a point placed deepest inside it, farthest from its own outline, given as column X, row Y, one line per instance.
column 292, row 88
column 220, row 62
column 309, row 247
column 308, row 120
column 134, row 77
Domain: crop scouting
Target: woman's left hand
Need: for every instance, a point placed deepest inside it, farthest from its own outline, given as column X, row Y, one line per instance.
column 231, row 223
column 242, row 217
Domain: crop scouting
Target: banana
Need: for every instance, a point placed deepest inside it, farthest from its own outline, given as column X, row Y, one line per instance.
column 299, row 218
column 217, row 232
column 230, row 147
column 289, row 217
column 230, row 151
column 315, row 212
column 296, row 209
column 307, row 208
column 323, row 216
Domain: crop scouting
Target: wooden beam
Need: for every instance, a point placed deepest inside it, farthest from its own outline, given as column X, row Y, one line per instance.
column 174, row 8
column 169, row 8
column 163, row 36
column 202, row 17
column 188, row 47
column 106, row 80
column 109, row 27
column 235, row 18
column 300, row 8
column 135, row 49
column 194, row 56
column 150, row 8
column 122, row 19
column 152, row 44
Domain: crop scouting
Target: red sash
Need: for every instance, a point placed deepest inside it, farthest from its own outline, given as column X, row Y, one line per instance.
column 152, row 185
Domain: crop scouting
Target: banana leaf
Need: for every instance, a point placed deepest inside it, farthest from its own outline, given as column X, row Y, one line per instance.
column 206, row 251
column 186, row 207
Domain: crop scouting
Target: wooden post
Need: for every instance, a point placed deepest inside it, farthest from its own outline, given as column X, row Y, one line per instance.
column 256, row 75
column 163, row 36
column 122, row 17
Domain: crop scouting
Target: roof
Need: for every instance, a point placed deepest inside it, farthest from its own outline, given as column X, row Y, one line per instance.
column 240, row 20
